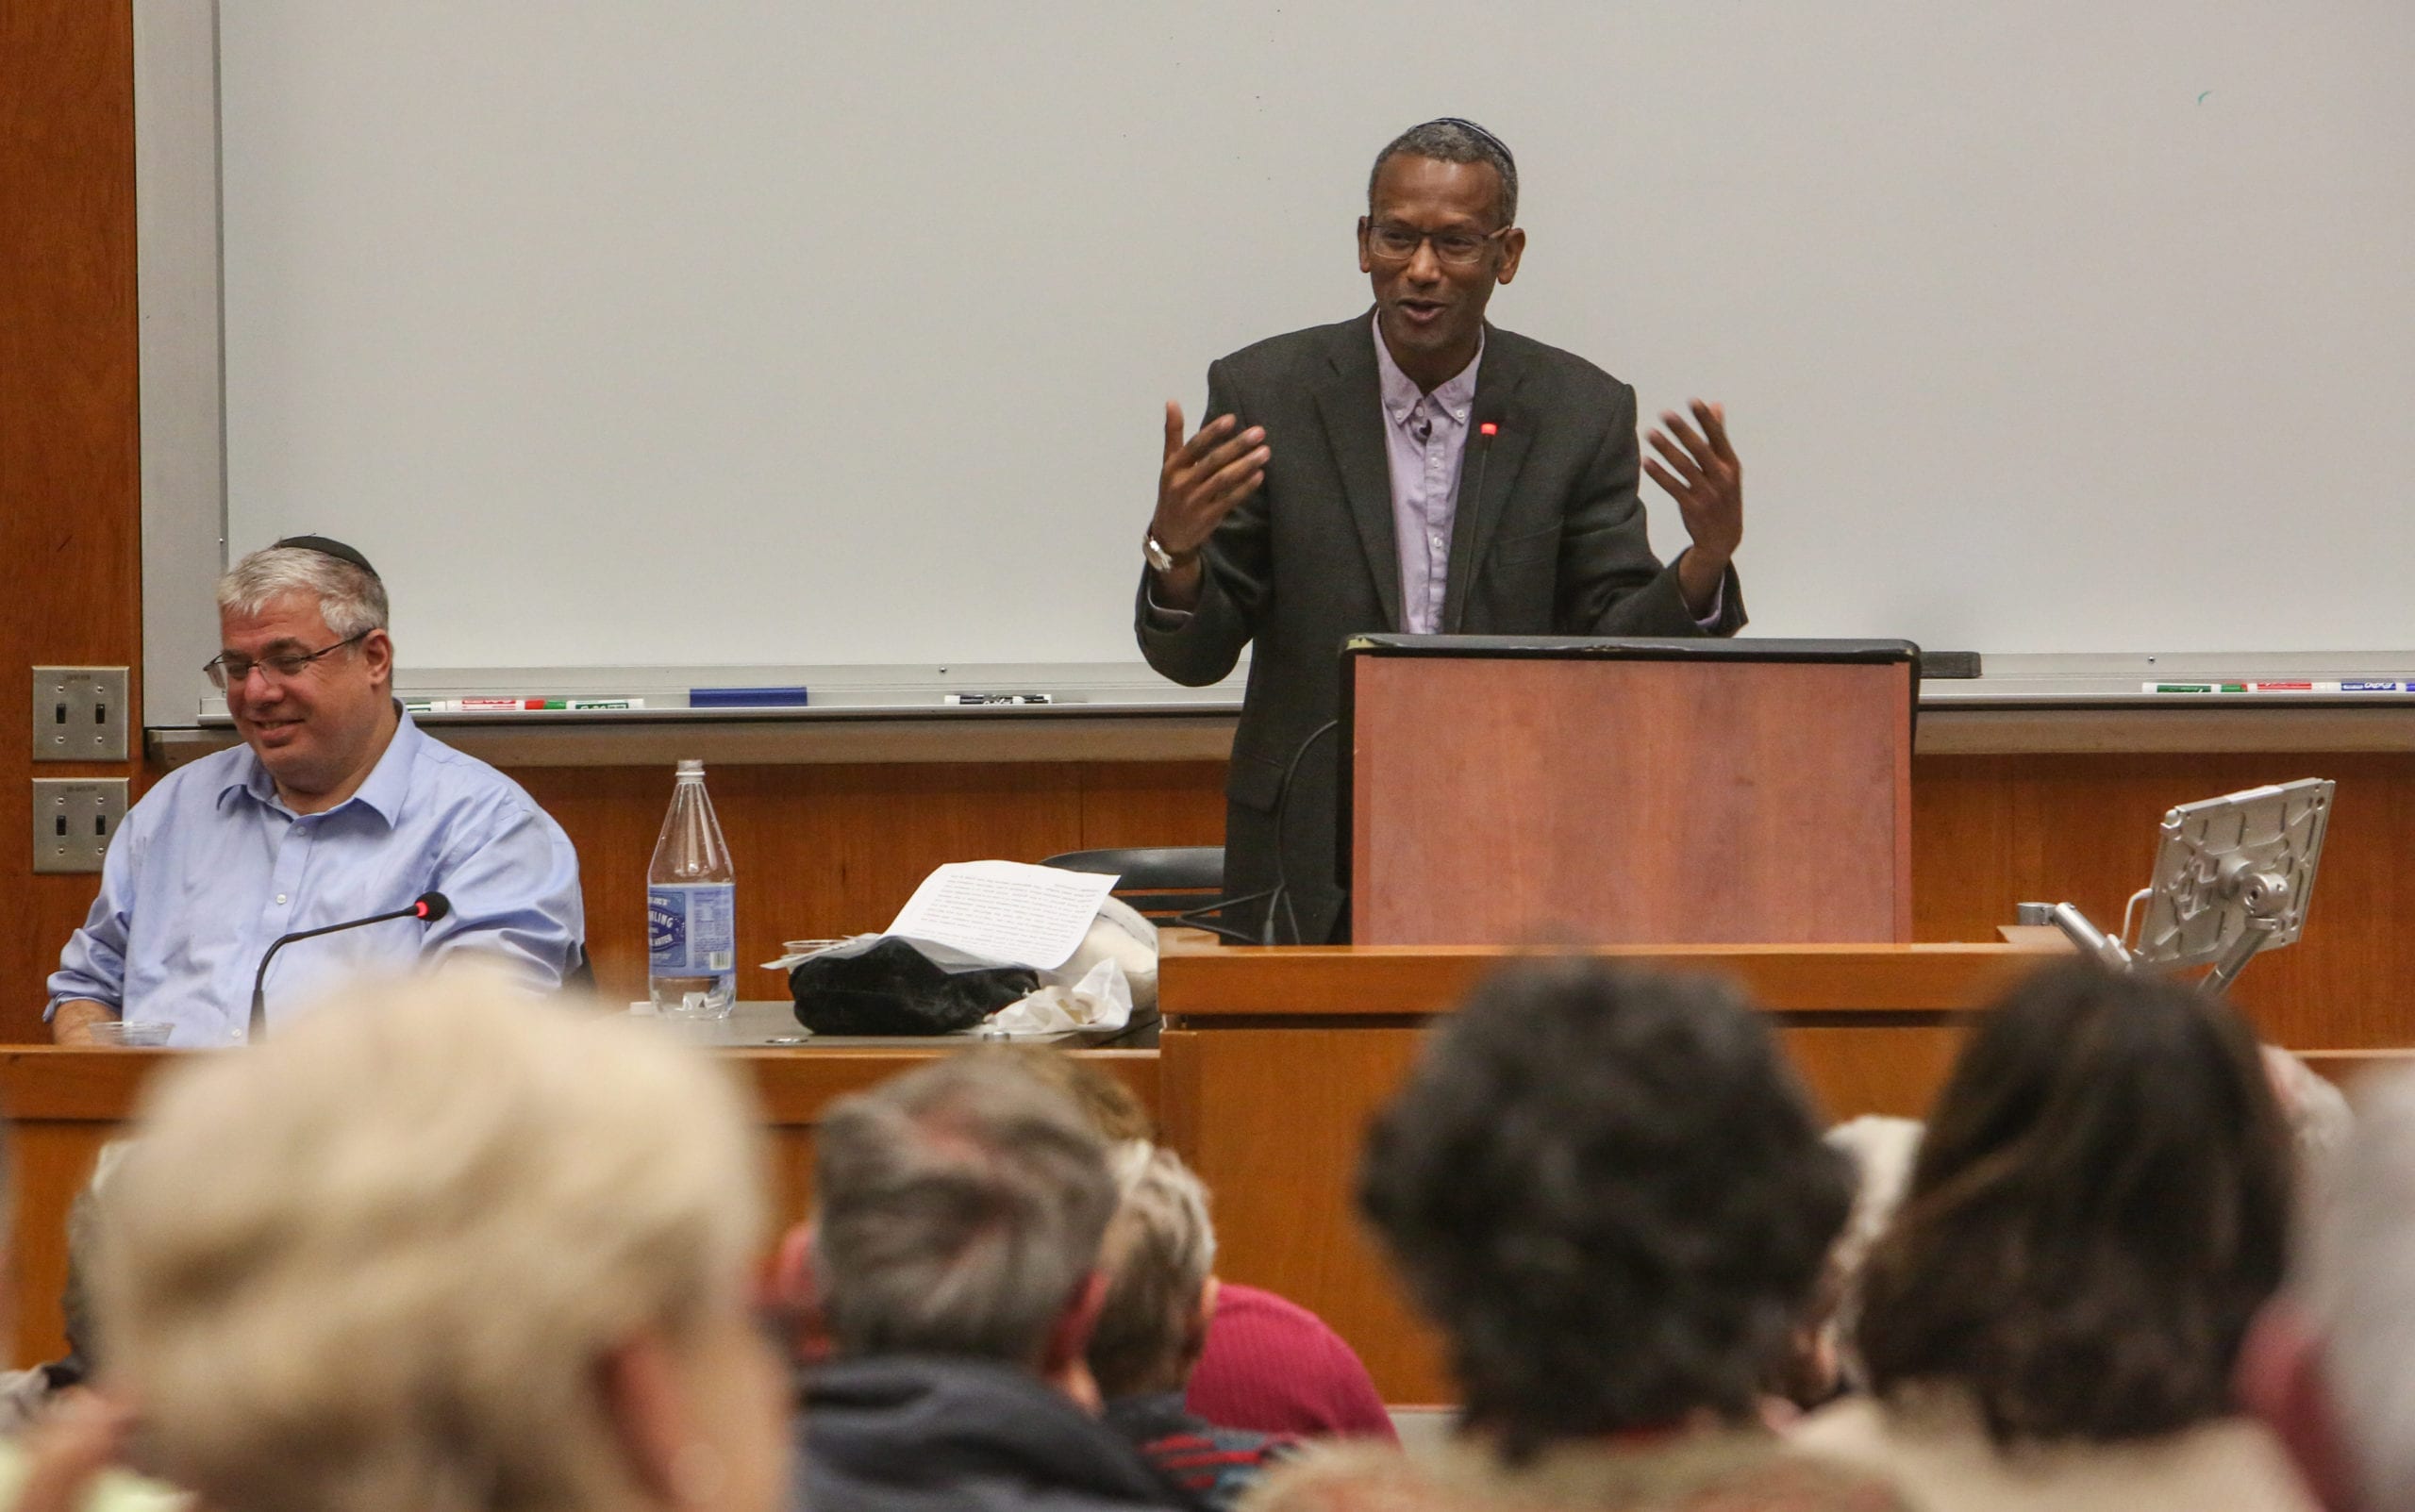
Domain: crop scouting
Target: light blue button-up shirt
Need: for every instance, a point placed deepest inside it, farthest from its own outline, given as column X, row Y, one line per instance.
column 212, row 867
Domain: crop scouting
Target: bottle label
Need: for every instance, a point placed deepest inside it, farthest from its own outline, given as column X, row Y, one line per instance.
column 692, row 931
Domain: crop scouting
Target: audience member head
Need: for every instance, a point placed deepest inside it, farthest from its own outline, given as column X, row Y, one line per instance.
column 2331, row 1363
column 1817, row 1364
column 306, row 663
column 2100, row 1204
column 1882, row 1150
column 463, row 1249
column 83, row 1249
column 959, row 1212
column 2316, row 1113
column 1611, row 1194
column 1159, row 1257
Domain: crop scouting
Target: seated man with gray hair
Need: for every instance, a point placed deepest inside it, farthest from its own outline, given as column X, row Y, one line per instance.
column 1160, row 1258
column 335, row 806
column 954, row 1255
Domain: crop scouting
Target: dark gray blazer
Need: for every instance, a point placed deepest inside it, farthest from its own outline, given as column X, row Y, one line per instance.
column 1555, row 546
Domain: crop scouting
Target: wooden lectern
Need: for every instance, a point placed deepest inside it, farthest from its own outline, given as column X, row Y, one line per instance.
column 1505, row 791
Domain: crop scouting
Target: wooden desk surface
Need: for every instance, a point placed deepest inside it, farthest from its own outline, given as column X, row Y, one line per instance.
column 1203, row 981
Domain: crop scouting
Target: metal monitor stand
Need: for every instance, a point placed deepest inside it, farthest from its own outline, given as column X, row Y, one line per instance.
column 2233, row 878
column 2265, row 895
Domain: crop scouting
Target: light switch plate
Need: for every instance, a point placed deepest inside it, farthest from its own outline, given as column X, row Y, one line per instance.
column 75, row 820
column 80, row 713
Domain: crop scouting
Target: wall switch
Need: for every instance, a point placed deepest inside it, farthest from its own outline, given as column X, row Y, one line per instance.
column 75, row 820
column 80, row 713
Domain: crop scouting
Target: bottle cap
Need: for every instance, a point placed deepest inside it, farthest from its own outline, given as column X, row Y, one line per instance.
column 691, row 768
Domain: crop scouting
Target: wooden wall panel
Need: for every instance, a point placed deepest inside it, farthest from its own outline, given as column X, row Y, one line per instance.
column 1989, row 832
column 837, row 849
column 69, row 452
column 1168, row 802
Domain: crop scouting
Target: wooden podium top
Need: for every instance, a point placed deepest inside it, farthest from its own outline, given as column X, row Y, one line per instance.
column 1201, row 980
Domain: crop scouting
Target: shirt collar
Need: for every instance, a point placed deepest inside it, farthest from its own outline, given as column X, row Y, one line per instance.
column 383, row 791
column 1400, row 392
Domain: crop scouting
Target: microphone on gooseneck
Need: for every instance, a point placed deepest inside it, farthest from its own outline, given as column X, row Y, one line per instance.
column 1484, row 434
column 427, row 906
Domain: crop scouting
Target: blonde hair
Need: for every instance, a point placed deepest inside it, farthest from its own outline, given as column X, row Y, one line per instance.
column 1159, row 1249
column 373, row 1264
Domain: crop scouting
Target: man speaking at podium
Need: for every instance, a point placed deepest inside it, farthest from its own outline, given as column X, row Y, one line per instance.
column 1417, row 469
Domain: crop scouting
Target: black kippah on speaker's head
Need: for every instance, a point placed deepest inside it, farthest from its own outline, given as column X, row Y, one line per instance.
column 328, row 546
column 1478, row 132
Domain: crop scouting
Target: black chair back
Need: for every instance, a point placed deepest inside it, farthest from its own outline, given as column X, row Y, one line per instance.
column 1159, row 881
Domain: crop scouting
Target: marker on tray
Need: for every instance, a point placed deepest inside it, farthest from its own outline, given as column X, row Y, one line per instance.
column 747, row 698
column 462, row 706
column 979, row 700
column 513, row 706
column 2348, row 684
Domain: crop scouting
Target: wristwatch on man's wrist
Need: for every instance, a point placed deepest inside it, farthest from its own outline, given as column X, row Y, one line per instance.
column 1160, row 558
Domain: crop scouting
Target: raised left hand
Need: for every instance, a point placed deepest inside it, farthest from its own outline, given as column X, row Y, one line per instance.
column 1704, row 478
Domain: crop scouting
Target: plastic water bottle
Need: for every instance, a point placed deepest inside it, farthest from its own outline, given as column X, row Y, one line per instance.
column 692, row 909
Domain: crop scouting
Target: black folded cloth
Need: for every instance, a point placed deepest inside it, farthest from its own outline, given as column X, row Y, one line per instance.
column 894, row 989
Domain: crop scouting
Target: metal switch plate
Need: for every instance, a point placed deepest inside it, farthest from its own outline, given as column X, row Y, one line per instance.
column 79, row 714
column 75, row 820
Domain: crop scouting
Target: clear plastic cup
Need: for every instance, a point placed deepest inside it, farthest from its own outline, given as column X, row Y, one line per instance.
column 136, row 1034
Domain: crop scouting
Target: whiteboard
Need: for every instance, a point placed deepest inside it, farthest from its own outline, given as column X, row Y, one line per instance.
column 621, row 333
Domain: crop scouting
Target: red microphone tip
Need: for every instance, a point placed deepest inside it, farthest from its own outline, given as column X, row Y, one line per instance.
column 1489, row 428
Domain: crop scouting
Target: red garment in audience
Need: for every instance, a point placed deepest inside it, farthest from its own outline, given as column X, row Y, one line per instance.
column 1273, row 1366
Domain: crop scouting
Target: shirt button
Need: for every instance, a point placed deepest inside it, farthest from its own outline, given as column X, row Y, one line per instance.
column 280, row 897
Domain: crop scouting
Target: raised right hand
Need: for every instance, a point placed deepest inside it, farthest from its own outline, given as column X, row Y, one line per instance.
column 1203, row 478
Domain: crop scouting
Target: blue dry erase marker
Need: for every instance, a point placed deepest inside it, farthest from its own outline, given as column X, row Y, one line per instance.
column 746, row 698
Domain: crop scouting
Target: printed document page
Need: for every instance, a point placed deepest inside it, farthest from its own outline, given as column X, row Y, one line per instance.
column 1005, row 911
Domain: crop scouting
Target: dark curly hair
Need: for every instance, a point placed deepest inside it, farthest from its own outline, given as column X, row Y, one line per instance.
column 2100, row 1207
column 1611, row 1192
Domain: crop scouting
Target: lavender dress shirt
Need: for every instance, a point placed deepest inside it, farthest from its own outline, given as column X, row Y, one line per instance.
column 1425, row 437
